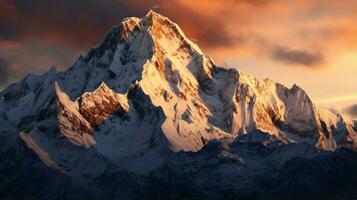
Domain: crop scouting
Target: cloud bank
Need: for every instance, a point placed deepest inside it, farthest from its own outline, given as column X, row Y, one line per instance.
column 297, row 57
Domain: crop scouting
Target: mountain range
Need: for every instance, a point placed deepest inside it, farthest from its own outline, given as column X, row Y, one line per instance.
column 147, row 115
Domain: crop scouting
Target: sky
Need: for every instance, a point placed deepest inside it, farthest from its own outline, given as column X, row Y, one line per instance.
column 310, row 43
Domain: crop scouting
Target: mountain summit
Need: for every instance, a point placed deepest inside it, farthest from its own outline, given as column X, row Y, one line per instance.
column 146, row 94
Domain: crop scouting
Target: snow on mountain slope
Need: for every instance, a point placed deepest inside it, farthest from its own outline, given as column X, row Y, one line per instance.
column 77, row 119
column 147, row 91
column 125, row 126
column 72, row 124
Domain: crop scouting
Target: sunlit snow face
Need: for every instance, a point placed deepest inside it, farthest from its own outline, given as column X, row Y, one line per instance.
column 311, row 43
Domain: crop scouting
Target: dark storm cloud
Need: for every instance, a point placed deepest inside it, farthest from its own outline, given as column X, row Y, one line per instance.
column 78, row 23
column 82, row 23
column 296, row 56
column 352, row 110
column 4, row 71
column 37, row 56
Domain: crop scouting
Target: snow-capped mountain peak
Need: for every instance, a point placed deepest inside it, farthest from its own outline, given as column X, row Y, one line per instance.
column 147, row 109
column 150, row 89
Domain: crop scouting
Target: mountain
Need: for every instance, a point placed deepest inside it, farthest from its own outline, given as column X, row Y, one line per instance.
column 147, row 112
